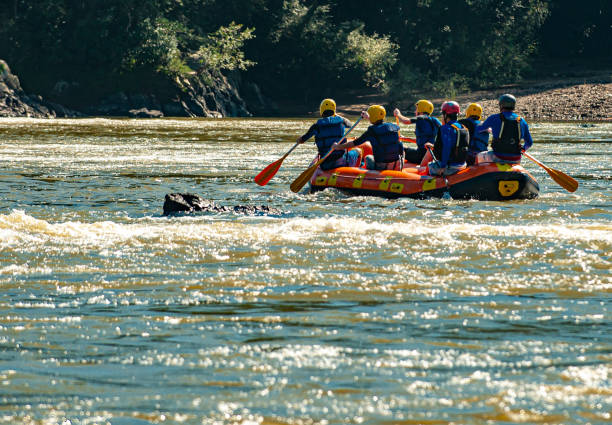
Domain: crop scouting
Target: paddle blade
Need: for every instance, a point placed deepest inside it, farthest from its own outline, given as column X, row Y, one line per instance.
column 303, row 178
column 267, row 173
column 562, row 179
column 565, row 181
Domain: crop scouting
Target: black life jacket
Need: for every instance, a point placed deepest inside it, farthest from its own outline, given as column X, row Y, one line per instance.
column 330, row 130
column 387, row 146
column 459, row 151
column 509, row 139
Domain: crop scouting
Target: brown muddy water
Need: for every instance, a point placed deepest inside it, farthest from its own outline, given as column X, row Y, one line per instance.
column 340, row 310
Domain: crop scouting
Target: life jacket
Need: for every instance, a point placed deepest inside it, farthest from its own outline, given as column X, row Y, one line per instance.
column 479, row 142
column 459, row 149
column 509, row 139
column 330, row 131
column 387, row 146
column 425, row 130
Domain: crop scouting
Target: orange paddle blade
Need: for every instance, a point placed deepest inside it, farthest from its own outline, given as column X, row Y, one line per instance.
column 267, row 173
column 562, row 179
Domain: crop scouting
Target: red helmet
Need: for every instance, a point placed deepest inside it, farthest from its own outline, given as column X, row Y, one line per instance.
column 451, row 107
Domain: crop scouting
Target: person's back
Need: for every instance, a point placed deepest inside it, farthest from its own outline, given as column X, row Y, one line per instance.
column 386, row 145
column 508, row 141
column 479, row 140
column 426, row 129
column 383, row 137
column 451, row 145
column 328, row 130
column 510, row 133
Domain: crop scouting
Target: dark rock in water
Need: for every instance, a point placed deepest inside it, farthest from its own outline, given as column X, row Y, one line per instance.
column 187, row 203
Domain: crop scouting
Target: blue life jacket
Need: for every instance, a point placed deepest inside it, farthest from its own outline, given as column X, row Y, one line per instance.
column 479, row 142
column 330, row 131
column 387, row 146
column 426, row 129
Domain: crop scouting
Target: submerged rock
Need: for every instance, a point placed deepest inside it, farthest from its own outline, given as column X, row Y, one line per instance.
column 176, row 203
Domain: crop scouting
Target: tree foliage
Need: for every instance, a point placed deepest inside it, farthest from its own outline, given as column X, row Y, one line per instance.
column 223, row 49
column 308, row 47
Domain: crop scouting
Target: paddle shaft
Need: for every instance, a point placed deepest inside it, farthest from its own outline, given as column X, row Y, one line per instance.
column 290, row 150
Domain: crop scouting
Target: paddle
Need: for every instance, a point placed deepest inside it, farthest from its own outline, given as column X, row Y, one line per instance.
column 565, row 181
column 267, row 173
column 299, row 183
column 402, row 138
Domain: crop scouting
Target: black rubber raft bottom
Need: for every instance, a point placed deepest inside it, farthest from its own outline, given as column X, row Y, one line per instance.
column 484, row 188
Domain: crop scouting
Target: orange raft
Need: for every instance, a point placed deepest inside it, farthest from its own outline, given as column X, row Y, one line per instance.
column 489, row 181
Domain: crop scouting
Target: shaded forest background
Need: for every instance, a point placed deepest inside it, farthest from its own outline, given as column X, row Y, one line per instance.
column 296, row 49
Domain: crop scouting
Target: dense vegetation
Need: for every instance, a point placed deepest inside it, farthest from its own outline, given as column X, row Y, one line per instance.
column 297, row 47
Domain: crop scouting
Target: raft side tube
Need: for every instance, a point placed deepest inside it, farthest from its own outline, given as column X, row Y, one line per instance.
column 496, row 186
column 492, row 181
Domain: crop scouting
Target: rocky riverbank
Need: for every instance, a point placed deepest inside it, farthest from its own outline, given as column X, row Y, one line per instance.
column 184, row 97
column 15, row 102
column 554, row 101
column 189, row 97
column 587, row 99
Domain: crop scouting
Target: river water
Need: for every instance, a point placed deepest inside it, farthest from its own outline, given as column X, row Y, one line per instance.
column 339, row 310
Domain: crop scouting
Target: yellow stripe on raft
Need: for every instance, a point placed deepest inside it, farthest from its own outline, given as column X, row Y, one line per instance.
column 384, row 185
column 358, row 181
column 504, row 167
column 429, row 184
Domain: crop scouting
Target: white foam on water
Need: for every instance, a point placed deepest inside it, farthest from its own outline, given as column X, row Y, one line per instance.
column 18, row 229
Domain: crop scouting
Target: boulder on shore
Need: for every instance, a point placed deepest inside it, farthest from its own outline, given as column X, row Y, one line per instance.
column 190, row 96
column 180, row 203
column 14, row 102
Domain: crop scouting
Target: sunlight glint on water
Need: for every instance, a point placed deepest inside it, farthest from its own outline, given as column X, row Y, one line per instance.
column 339, row 310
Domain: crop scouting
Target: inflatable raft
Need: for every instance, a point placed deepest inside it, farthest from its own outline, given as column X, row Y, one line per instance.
column 489, row 181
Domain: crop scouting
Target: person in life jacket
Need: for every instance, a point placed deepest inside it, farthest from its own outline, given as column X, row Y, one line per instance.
column 384, row 137
column 451, row 145
column 479, row 141
column 327, row 131
column 510, row 133
column 426, row 129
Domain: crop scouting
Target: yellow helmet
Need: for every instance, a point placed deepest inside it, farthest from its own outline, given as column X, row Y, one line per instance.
column 376, row 113
column 474, row 109
column 327, row 105
column 424, row 106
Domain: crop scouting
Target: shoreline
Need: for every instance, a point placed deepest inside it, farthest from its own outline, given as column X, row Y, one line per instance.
column 558, row 100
